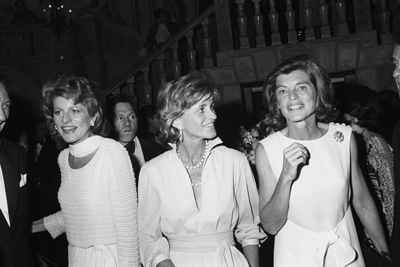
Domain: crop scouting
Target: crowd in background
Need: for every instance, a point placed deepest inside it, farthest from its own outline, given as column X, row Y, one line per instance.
column 103, row 183
column 156, row 186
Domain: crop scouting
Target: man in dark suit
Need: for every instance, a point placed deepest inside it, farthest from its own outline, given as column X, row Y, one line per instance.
column 14, row 215
column 124, row 122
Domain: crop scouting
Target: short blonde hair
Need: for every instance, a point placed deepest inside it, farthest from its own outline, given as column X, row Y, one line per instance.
column 176, row 97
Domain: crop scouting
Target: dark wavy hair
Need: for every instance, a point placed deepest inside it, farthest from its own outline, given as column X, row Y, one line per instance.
column 324, row 110
column 82, row 91
column 182, row 8
column 3, row 80
column 362, row 103
column 177, row 97
column 158, row 12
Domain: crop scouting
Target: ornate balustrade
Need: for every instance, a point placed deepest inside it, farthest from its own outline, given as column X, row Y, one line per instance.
column 141, row 70
column 342, row 34
column 252, row 37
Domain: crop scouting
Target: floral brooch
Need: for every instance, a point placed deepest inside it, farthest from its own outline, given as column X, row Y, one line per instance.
column 339, row 137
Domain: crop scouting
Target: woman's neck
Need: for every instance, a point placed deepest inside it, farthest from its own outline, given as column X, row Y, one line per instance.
column 191, row 151
column 304, row 131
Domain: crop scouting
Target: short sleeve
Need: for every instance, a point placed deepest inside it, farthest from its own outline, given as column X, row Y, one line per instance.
column 54, row 224
column 248, row 232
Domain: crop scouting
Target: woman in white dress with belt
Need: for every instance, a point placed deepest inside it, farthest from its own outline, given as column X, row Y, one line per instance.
column 309, row 173
column 195, row 199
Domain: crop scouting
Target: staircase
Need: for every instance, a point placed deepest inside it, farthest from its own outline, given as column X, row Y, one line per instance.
column 237, row 42
column 351, row 39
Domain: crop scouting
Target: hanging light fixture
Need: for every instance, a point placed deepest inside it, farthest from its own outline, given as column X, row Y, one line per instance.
column 55, row 18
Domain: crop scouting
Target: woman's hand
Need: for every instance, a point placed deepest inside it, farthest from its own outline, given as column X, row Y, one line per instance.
column 165, row 263
column 38, row 226
column 275, row 193
column 294, row 156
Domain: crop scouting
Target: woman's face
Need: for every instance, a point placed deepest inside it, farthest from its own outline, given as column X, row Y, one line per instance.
column 198, row 122
column 72, row 121
column 296, row 96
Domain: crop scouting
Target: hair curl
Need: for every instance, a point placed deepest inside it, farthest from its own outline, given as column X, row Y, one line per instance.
column 324, row 110
column 3, row 81
column 82, row 91
column 177, row 97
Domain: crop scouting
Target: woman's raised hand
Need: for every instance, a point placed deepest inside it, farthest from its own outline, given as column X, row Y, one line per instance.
column 294, row 156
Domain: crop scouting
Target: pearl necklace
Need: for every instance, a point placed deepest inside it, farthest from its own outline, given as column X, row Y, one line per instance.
column 192, row 167
column 196, row 184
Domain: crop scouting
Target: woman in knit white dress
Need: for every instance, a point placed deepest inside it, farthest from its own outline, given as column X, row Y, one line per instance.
column 308, row 173
column 98, row 193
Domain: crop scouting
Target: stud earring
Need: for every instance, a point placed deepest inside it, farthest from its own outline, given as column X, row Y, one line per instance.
column 355, row 122
column 92, row 123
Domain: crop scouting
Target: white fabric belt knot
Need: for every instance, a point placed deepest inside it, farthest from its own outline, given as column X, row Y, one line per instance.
column 104, row 257
column 329, row 238
column 333, row 241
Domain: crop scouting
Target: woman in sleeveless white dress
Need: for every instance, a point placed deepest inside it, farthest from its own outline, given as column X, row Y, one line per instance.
column 309, row 174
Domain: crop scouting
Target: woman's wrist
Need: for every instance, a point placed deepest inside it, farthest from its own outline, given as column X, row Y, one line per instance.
column 387, row 255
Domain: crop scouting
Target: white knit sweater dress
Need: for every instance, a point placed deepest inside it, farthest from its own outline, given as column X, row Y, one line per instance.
column 98, row 207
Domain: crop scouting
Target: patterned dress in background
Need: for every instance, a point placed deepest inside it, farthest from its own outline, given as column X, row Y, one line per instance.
column 378, row 171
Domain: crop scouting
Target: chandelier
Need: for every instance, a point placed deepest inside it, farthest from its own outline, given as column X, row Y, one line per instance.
column 55, row 18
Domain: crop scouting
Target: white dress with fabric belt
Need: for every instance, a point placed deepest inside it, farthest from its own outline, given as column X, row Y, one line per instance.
column 198, row 237
column 319, row 230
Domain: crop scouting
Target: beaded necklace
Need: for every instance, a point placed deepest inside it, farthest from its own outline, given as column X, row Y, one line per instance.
column 193, row 167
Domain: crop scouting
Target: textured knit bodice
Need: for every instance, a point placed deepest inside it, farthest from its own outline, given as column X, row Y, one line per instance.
column 99, row 203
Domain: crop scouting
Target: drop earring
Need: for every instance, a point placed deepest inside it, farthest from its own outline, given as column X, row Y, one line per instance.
column 55, row 127
column 180, row 135
column 92, row 123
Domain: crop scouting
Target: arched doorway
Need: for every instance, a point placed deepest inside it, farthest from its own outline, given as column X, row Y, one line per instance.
column 25, row 94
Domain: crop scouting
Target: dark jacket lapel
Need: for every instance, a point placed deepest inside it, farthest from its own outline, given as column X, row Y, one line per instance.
column 11, row 182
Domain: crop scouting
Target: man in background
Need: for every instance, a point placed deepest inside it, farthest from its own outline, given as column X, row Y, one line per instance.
column 149, row 127
column 124, row 123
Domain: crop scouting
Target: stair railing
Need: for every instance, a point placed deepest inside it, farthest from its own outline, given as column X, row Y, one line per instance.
column 128, row 77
